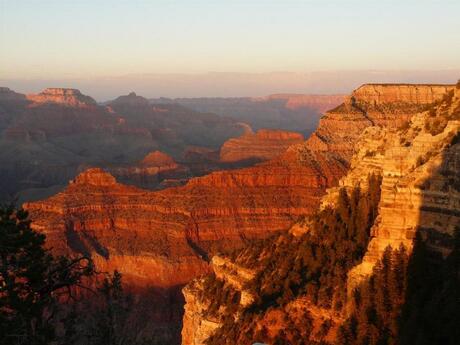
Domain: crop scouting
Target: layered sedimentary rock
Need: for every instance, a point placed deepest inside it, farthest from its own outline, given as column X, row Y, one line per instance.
column 165, row 238
column 420, row 189
column 263, row 145
column 175, row 126
column 379, row 94
column 68, row 97
column 151, row 171
column 421, row 183
column 220, row 210
column 321, row 103
column 47, row 138
column 292, row 112
column 121, row 227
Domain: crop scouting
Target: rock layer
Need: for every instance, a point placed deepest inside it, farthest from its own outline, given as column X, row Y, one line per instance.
column 263, row 145
column 217, row 211
column 406, row 163
column 151, row 171
column 321, row 103
column 166, row 238
column 68, row 97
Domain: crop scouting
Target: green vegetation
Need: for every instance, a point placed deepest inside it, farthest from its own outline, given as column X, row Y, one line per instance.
column 441, row 113
column 377, row 303
column 314, row 265
column 413, row 302
column 56, row 300
column 32, row 281
column 431, row 314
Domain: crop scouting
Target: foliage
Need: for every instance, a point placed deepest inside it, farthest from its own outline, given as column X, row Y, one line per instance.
column 313, row 265
column 414, row 301
column 32, row 281
column 377, row 303
column 431, row 314
column 441, row 113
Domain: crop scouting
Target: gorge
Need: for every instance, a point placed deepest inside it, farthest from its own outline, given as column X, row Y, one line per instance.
column 166, row 238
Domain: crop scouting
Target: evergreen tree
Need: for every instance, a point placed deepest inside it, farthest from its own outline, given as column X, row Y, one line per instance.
column 32, row 281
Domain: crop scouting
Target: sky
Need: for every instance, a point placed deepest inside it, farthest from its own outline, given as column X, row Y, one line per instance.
column 68, row 40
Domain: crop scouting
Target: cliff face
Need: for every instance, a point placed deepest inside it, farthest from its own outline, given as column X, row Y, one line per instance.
column 290, row 112
column 151, row 171
column 198, row 323
column 220, row 210
column 47, row 138
column 380, row 94
column 68, row 97
column 420, row 187
column 418, row 162
column 321, row 103
column 166, row 238
column 263, row 145
column 175, row 126
column 118, row 226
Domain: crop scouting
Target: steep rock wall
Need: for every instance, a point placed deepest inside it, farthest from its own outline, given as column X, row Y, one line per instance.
column 263, row 145
column 419, row 189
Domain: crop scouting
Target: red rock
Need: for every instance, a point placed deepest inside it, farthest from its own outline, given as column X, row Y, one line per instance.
column 263, row 145
column 69, row 97
column 158, row 159
column 163, row 237
column 320, row 103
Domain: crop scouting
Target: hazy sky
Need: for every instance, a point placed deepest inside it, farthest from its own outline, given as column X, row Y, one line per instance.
column 59, row 39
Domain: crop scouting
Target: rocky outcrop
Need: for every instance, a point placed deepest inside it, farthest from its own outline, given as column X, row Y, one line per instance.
column 419, row 172
column 130, row 100
column 175, row 232
column 420, row 188
column 7, row 94
column 151, row 171
column 115, row 225
column 196, row 328
column 396, row 94
column 95, row 177
column 321, row 103
column 291, row 112
column 220, row 210
column 47, row 138
column 158, row 159
column 68, row 97
column 263, row 145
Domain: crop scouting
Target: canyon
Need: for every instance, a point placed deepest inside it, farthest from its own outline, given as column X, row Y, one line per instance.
column 47, row 138
column 263, row 145
column 417, row 161
column 290, row 112
column 166, row 238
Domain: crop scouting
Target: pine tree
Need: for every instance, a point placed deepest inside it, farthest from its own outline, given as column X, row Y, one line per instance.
column 32, row 281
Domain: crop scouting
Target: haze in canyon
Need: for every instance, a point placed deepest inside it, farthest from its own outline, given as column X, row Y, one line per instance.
column 238, row 173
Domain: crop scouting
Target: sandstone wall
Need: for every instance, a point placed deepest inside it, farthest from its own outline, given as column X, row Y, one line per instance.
column 263, row 145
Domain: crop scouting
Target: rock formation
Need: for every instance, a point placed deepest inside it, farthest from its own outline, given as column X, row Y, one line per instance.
column 221, row 210
column 175, row 126
column 115, row 224
column 289, row 112
column 151, row 171
column 321, row 103
column 47, row 138
column 175, row 232
column 68, row 97
column 263, row 145
column 7, row 94
column 418, row 161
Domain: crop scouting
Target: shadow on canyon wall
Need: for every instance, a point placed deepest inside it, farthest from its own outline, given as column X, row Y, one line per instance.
column 431, row 313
